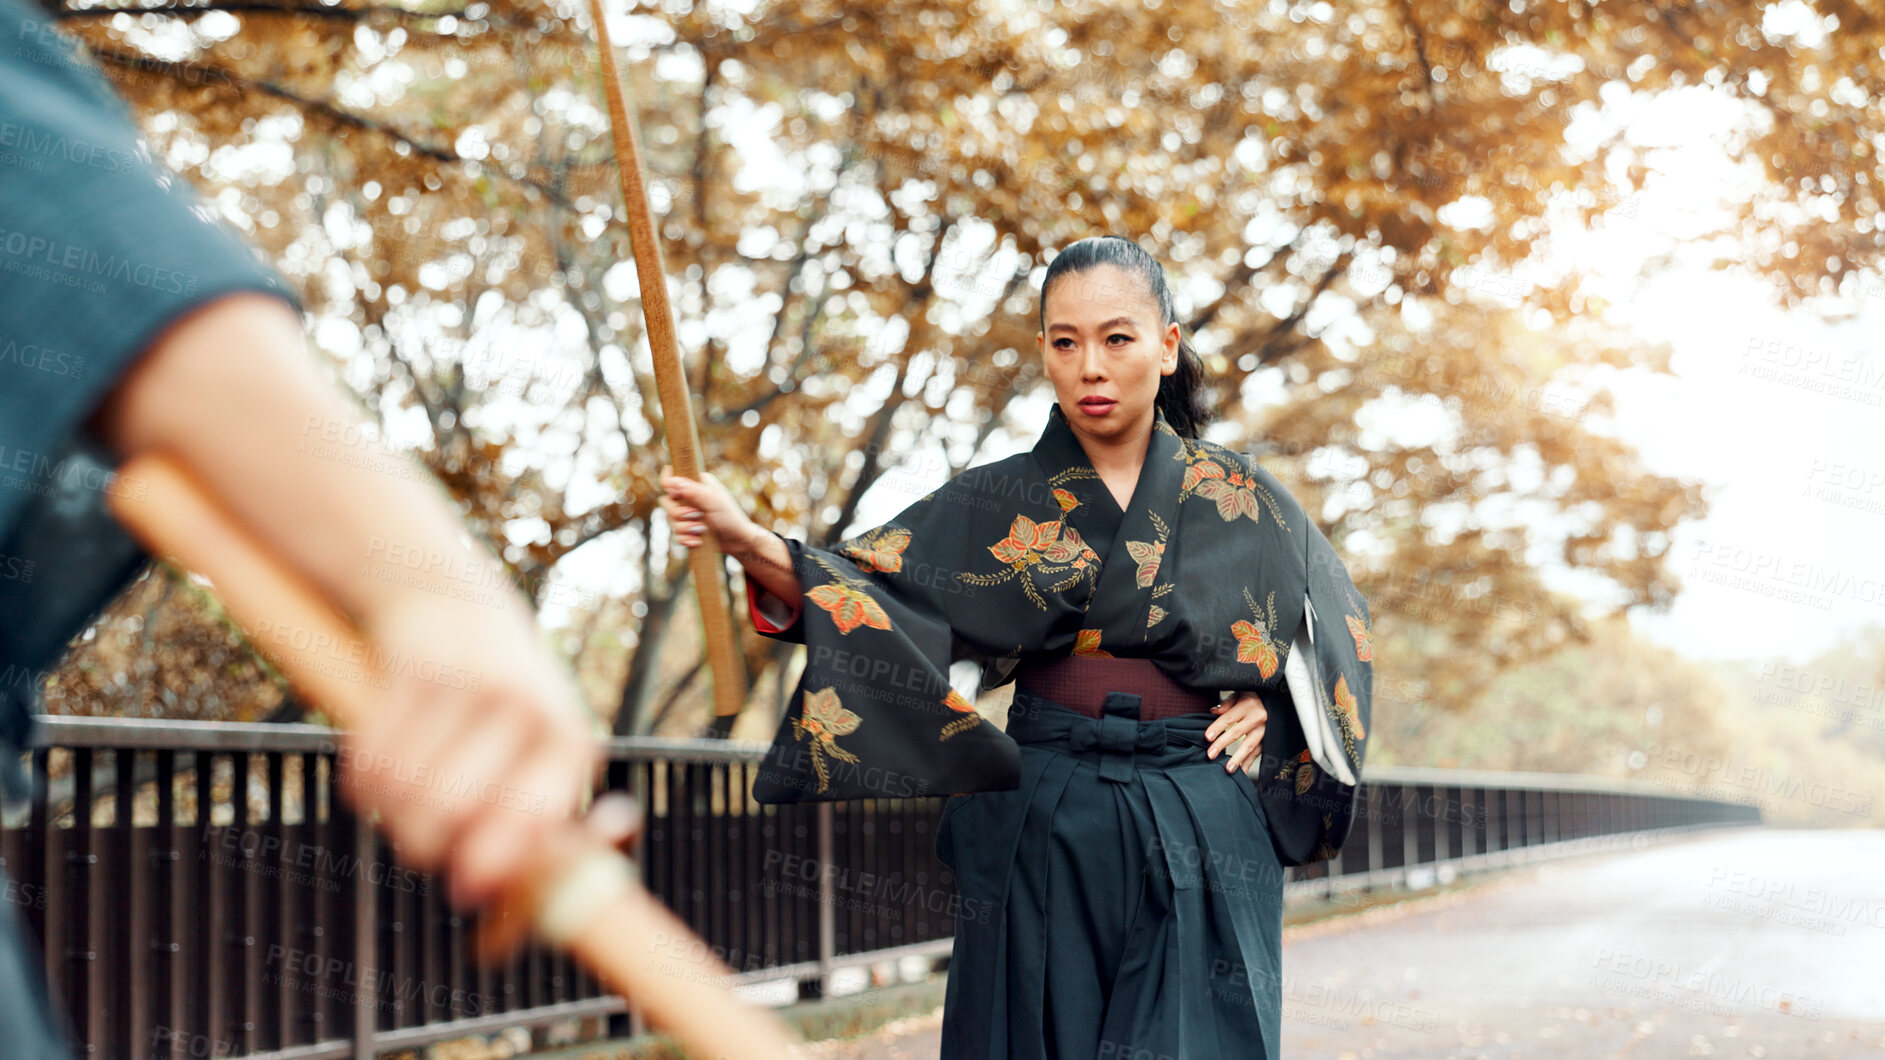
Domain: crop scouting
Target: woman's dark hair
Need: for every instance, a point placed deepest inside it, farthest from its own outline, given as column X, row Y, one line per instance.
column 1180, row 394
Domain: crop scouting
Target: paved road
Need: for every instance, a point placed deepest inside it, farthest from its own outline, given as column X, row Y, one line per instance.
column 1753, row 943
column 1745, row 943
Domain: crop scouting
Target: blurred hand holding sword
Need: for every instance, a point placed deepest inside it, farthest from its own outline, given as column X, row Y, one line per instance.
column 581, row 893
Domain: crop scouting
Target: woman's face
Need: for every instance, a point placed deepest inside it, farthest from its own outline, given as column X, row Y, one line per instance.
column 1105, row 352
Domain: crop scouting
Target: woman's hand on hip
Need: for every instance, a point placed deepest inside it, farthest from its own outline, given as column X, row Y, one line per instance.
column 1241, row 717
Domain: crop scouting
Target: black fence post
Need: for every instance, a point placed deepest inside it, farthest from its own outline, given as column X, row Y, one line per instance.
column 827, row 902
column 366, row 937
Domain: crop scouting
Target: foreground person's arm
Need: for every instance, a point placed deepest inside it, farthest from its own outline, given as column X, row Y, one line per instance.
column 483, row 736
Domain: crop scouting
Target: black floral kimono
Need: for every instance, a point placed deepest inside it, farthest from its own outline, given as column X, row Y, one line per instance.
column 1128, row 890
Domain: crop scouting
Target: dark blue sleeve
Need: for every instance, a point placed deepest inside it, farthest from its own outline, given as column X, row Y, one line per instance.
column 100, row 250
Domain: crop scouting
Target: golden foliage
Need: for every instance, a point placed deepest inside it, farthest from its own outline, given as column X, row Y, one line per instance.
column 856, row 199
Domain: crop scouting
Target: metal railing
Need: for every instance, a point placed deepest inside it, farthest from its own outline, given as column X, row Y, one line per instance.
column 1414, row 820
column 199, row 890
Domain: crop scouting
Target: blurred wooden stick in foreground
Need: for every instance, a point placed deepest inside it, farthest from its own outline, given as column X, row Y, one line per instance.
column 583, row 897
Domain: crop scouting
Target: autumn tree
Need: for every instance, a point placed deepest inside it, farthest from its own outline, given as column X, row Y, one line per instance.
column 857, row 201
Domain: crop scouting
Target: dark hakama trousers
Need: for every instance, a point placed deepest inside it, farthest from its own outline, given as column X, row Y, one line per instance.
column 29, row 1027
column 1123, row 903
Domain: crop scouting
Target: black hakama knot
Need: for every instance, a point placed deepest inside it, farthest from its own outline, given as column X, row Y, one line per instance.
column 1124, row 902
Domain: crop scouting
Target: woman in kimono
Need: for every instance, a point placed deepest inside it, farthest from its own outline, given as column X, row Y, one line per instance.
column 1120, row 847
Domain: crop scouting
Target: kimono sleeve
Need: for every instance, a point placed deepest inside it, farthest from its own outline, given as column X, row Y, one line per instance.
column 771, row 616
column 100, row 251
column 1313, row 749
column 875, row 714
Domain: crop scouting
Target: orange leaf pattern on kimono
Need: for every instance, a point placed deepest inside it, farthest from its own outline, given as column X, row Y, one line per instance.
column 1295, row 768
column 1147, row 555
column 879, row 550
column 1323, row 850
column 1067, row 501
column 824, row 719
column 1364, row 639
column 1150, row 556
column 1254, row 643
column 1026, row 539
column 1051, row 548
column 1071, row 548
column 1253, row 646
column 1200, row 470
column 1234, row 496
column 1227, row 483
column 1349, row 708
column 958, row 702
column 1086, row 644
column 849, row 607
